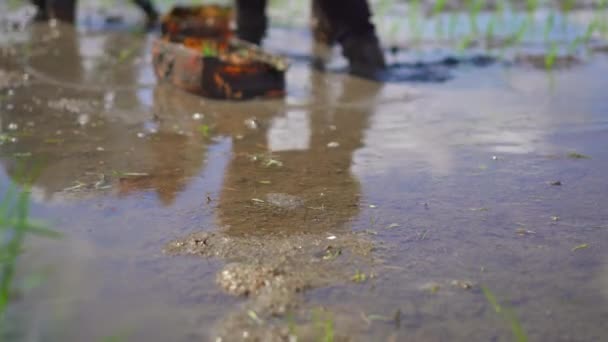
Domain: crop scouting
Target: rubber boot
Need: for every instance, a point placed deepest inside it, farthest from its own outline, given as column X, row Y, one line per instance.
column 364, row 55
column 251, row 20
column 351, row 26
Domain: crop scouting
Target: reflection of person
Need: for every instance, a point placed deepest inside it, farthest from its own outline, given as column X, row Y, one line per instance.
column 349, row 24
column 275, row 185
column 65, row 10
column 103, row 149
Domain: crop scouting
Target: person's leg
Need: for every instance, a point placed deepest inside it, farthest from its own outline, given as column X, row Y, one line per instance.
column 42, row 13
column 353, row 29
column 251, row 20
column 64, row 10
column 148, row 8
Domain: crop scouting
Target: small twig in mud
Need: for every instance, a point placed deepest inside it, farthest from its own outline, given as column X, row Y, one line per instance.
column 79, row 185
column 396, row 318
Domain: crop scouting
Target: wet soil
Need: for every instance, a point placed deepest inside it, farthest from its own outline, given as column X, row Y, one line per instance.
column 350, row 209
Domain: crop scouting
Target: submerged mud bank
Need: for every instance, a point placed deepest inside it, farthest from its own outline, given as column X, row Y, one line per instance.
column 273, row 272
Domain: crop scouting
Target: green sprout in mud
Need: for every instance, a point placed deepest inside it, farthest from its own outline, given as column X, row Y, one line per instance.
column 204, row 130
column 581, row 246
column 519, row 335
column 359, row 277
column 15, row 225
column 438, row 8
column 413, row 14
column 576, row 155
column 550, row 57
column 474, row 6
column 324, row 322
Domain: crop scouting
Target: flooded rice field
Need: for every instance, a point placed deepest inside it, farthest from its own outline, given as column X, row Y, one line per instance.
column 463, row 200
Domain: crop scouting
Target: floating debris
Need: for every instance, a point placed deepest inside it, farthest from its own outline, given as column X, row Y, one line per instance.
column 273, row 162
column 393, row 225
column 331, row 237
column 432, row 287
column 556, row 183
column 13, row 126
column 83, row 119
column 359, row 277
column 284, row 201
column 463, row 284
column 251, row 124
column 333, row 144
column 576, row 155
column 554, row 218
column 197, row 116
column 254, row 316
column 332, row 253
column 523, row 231
column 581, row 246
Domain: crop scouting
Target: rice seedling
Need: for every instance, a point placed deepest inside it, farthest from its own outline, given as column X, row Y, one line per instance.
column 15, row 226
column 519, row 335
column 550, row 57
column 324, row 323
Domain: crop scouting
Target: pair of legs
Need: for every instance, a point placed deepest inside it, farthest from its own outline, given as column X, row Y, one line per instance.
column 65, row 10
column 347, row 22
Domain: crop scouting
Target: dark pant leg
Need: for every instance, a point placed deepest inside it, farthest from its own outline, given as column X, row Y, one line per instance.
column 348, row 17
column 148, row 8
column 251, row 20
column 352, row 27
column 64, row 10
column 42, row 13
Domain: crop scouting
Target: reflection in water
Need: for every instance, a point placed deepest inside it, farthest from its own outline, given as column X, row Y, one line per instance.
column 284, row 209
column 86, row 140
column 315, row 169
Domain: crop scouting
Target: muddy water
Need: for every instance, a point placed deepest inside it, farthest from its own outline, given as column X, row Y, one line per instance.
column 378, row 209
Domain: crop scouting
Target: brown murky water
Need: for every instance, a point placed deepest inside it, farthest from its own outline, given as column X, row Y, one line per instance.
column 382, row 209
